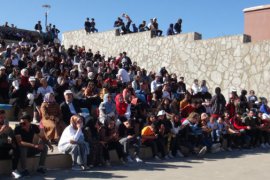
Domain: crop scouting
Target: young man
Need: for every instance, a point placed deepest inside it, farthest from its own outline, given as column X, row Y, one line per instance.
column 24, row 134
column 87, row 26
column 8, row 149
column 93, row 26
column 128, row 138
column 38, row 27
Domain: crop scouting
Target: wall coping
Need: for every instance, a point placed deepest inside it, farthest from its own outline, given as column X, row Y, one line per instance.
column 195, row 35
column 256, row 8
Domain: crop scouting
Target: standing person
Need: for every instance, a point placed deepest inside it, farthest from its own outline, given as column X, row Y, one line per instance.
column 218, row 103
column 170, row 30
column 178, row 26
column 24, row 134
column 72, row 142
column 87, row 26
column 38, row 27
column 93, row 26
column 129, row 21
column 55, row 32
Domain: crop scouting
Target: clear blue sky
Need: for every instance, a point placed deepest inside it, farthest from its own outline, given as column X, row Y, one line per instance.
column 212, row 18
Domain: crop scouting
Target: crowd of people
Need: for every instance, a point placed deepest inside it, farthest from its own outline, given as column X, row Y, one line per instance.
column 87, row 104
column 50, row 34
column 11, row 32
column 123, row 25
column 153, row 26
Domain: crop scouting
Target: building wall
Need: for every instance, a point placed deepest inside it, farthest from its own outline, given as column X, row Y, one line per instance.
column 257, row 23
column 230, row 61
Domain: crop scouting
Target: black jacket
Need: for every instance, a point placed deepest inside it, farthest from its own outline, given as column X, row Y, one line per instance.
column 66, row 112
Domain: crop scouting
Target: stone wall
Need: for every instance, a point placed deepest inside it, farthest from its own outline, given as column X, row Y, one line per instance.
column 231, row 61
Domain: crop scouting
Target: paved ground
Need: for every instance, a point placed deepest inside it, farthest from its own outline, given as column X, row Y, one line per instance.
column 244, row 164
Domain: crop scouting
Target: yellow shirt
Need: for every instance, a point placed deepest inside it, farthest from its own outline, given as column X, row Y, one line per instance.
column 147, row 131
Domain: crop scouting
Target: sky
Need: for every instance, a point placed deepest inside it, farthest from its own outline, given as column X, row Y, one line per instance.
column 211, row 18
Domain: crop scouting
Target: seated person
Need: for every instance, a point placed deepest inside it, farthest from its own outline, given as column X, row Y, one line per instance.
column 106, row 108
column 8, row 149
column 195, row 133
column 24, row 134
column 128, row 138
column 70, row 107
column 51, row 118
column 110, row 139
column 150, row 138
column 72, row 142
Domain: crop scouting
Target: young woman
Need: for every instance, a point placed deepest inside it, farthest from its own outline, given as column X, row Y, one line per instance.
column 72, row 142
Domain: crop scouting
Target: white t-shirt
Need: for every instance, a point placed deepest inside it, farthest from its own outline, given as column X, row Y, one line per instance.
column 195, row 88
column 123, row 75
column 43, row 91
column 155, row 85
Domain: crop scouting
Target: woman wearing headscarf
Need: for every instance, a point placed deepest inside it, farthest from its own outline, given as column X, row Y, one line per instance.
column 25, row 78
column 51, row 118
column 122, row 108
column 72, row 142
column 106, row 108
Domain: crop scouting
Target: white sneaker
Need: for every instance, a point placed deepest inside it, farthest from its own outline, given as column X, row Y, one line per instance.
column 202, row 151
column 263, row 146
column 138, row 160
column 129, row 159
column 35, row 121
column 179, row 154
column 16, row 174
column 157, row 158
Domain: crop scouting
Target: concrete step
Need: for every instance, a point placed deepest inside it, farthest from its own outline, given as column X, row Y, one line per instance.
column 56, row 160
